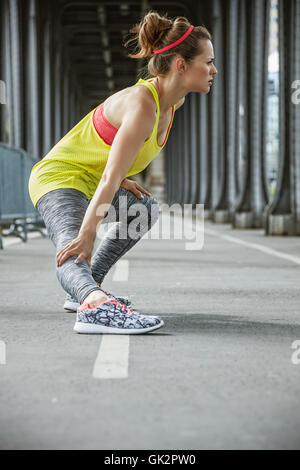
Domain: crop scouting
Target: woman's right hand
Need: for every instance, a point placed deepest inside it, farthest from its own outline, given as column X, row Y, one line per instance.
column 82, row 246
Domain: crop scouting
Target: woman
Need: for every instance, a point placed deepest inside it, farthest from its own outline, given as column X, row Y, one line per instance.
column 86, row 173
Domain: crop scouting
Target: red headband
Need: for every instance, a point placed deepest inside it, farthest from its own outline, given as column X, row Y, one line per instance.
column 176, row 42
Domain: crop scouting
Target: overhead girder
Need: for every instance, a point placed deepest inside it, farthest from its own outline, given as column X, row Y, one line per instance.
column 83, row 32
column 154, row 5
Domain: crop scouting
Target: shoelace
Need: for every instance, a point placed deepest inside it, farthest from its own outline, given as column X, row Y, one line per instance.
column 123, row 307
column 107, row 292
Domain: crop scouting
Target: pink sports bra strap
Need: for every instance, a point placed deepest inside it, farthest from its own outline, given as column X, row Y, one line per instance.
column 103, row 127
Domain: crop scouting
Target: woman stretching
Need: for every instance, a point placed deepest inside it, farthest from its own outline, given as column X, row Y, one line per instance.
column 82, row 181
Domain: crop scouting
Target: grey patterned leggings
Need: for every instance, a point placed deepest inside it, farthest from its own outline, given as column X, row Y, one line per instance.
column 63, row 211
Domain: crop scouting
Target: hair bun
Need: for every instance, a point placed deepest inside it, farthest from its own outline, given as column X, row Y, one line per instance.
column 156, row 31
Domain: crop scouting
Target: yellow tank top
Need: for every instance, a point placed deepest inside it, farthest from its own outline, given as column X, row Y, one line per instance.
column 78, row 160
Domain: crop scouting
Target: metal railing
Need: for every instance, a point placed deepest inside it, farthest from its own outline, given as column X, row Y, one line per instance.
column 17, row 213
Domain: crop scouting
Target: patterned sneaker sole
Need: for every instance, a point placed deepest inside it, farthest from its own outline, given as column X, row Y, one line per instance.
column 92, row 329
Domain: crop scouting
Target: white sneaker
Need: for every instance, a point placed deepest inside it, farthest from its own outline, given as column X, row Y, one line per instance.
column 111, row 317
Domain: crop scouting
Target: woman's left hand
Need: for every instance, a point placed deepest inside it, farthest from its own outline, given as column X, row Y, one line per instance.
column 82, row 246
column 134, row 187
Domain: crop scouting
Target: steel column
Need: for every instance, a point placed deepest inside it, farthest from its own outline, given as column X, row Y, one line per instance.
column 282, row 216
column 254, row 192
column 16, row 98
column 47, row 83
column 228, row 119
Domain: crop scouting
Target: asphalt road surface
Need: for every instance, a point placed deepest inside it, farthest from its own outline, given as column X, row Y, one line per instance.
column 223, row 373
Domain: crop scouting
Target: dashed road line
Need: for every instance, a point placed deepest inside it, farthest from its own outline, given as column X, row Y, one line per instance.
column 112, row 359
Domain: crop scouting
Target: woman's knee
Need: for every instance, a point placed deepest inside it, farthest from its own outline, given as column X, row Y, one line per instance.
column 142, row 216
column 153, row 209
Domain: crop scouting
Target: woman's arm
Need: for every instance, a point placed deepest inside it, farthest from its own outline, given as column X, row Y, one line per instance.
column 137, row 124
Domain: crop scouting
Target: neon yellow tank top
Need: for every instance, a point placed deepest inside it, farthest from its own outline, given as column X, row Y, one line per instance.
column 78, row 160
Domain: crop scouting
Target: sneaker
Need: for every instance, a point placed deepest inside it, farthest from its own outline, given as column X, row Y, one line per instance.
column 112, row 317
column 71, row 304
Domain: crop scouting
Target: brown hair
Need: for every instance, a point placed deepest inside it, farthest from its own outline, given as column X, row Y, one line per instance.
column 156, row 31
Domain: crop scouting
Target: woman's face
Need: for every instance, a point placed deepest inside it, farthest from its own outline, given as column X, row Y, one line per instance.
column 201, row 70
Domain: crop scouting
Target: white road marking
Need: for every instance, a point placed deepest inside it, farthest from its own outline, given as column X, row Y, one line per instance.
column 122, row 271
column 112, row 359
column 2, row 353
column 256, row 246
